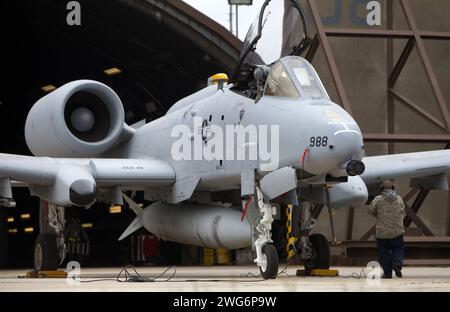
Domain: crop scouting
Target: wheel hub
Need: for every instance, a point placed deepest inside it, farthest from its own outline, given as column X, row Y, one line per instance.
column 263, row 264
column 38, row 257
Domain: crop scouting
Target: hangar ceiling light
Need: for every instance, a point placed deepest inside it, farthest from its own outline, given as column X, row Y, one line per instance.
column 10, row 219
column 48, row 88
column 12, row 231
column 28, row 230
column 112, row 71
column 115, row 209
column 25, row 216
column 87, row 225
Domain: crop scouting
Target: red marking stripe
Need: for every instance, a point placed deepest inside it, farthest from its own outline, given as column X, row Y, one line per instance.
column 245, row 208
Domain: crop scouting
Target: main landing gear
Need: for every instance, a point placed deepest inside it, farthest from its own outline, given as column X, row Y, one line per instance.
column 314, row 248
column 49, row 248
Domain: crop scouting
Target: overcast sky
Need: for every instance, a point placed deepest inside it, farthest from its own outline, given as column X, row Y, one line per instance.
column 219, row 10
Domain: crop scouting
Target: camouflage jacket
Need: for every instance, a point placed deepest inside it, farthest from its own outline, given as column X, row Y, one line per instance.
column 389, row 213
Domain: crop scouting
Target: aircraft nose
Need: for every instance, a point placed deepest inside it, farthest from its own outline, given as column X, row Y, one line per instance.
column 346, row 142
column 342, row 144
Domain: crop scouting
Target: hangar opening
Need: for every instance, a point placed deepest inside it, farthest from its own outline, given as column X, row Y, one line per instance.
column 152, row 53
column 156, row 52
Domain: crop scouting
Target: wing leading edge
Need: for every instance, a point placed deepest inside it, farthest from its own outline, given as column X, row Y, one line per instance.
column 60, row 180
column 413, row 165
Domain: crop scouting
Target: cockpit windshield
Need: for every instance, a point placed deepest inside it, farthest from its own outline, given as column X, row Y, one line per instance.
column 279, row 83
column 294, row 77
column 307, row 78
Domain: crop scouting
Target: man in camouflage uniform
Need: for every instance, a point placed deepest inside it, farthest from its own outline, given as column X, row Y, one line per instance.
column 389, row 210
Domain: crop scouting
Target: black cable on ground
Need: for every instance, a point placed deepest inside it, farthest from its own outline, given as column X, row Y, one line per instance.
column 125, row 276
column 355, row 275
column 129, row 274
column 283, row 271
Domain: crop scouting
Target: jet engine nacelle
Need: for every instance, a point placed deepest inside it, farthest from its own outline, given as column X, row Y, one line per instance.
column 83, row 118
column 344, row 195
column 198, row 225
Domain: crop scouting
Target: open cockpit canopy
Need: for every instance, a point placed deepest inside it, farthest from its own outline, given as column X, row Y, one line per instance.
column 279, row 30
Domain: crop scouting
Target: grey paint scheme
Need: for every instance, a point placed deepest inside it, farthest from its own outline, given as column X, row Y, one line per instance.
column 298, row 120
column 278, row 182
column 423, row 164
column 47, row 134
column 51, row 178
column 141, row 158
column 198, row 225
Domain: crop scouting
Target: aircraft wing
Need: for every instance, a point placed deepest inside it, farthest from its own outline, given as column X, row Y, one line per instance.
column 60, row 180
column 414, row 165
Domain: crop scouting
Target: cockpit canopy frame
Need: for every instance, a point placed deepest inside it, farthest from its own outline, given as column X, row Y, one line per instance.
column 294, row 77
column 294, row 37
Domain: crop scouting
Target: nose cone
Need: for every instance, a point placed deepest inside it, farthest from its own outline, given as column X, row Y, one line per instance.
column 347, row 141
column 340, row 142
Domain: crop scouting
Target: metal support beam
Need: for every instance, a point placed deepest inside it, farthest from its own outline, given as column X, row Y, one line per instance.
column 385, row 33
column 368, row 234
column 416, row 205
column 316, row 211
column 368, row 33
column 426, row 62
column 435, row 35
column 413, row 216
column 415, row 38
column 329, row 56
column 389, row 69
column 417, row 109
column 395, row 73
column 350, row 219
column 312, row 49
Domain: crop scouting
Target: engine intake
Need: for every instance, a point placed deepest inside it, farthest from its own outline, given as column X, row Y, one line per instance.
column 83, row 118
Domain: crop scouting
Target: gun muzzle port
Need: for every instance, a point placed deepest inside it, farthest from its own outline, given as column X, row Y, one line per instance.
column 355, row 168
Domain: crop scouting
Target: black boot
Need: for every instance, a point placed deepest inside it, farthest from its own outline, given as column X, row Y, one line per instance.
column 398, row 270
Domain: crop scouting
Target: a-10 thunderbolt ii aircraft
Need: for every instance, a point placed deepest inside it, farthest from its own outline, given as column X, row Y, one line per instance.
column 219, row 159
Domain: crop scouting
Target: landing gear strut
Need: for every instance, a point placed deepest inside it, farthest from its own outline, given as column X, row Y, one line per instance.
column 315, row 250
column 266, row 254
column 320, row 253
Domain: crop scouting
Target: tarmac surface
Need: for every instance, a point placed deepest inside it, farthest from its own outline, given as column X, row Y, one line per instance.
column 230, row 279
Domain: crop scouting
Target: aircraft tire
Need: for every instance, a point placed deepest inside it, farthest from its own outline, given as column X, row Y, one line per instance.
column 321, row 252
column 45, row 253
column 270, row 271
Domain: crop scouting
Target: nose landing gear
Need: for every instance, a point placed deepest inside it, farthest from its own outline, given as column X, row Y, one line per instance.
column 266, row 254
